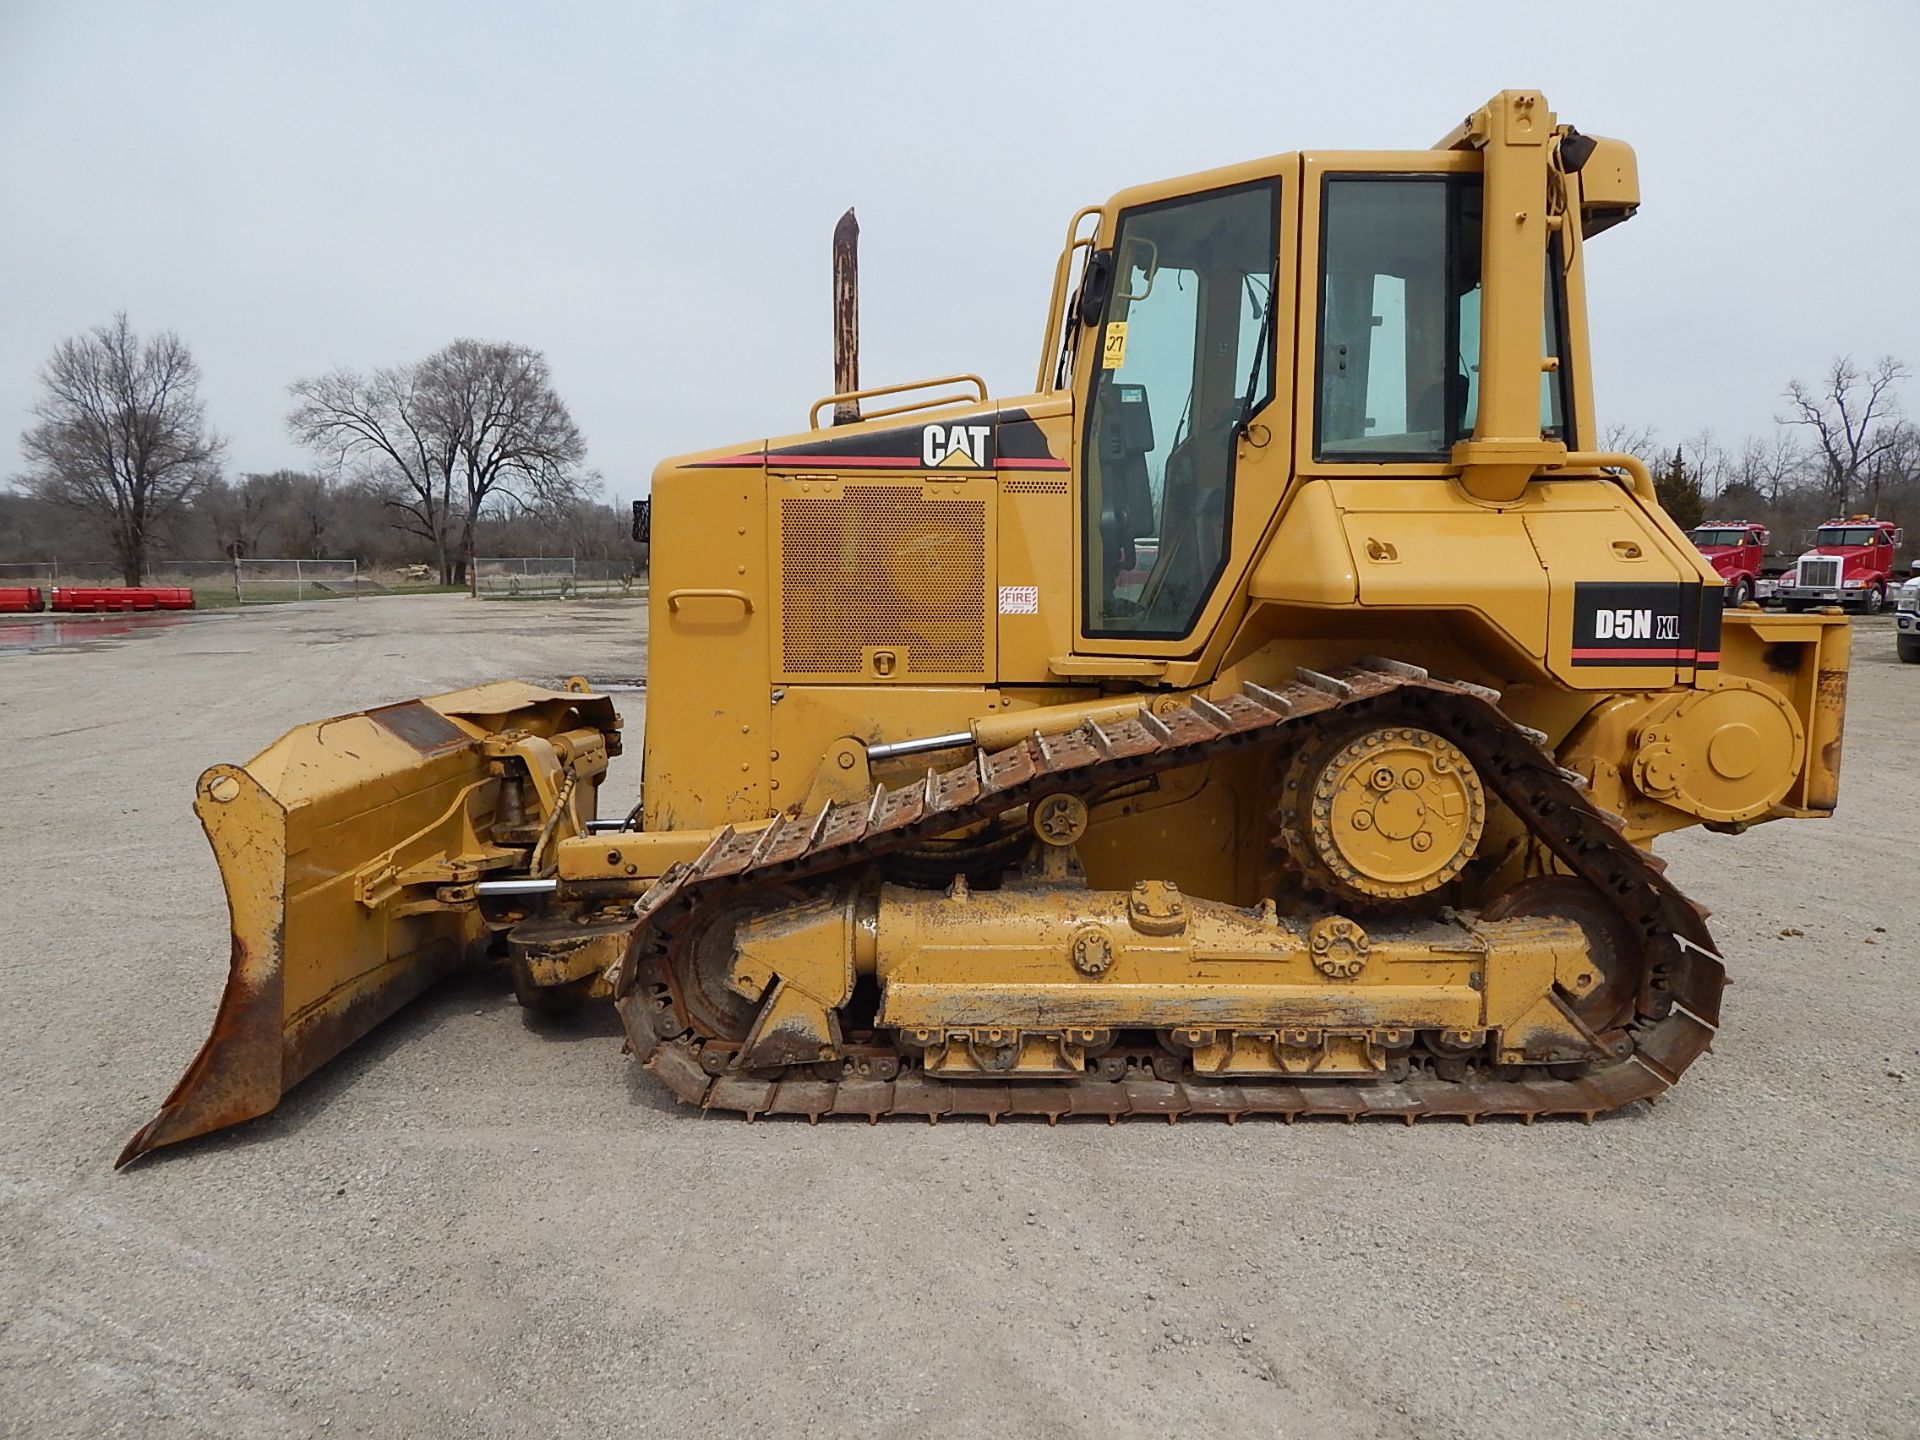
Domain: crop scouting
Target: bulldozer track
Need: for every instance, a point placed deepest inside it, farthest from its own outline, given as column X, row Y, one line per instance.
column 1676, row 1014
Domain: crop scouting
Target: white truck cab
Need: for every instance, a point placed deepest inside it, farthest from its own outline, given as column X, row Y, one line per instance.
column 1906, row 618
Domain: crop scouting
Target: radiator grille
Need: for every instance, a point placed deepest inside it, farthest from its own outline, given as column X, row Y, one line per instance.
column 883, row 565
column 1034, row 487
column 1823, row 573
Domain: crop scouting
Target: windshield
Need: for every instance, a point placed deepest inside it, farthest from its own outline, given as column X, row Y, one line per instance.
column 1846, row 535
column 1707, row 536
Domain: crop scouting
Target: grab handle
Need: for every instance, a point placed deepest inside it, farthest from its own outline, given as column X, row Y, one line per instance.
column 674, row 597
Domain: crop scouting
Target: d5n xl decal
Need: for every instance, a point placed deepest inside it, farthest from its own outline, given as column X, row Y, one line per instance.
column 1646, row 623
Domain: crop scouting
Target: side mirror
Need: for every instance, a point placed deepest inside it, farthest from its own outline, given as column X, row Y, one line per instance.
column 643, row 521
column 1095, row 281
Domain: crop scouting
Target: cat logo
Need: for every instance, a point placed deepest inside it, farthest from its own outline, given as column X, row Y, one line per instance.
column 956, row 447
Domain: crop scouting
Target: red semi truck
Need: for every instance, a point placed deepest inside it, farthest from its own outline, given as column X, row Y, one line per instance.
column 1851, row 564
column 1734, row 548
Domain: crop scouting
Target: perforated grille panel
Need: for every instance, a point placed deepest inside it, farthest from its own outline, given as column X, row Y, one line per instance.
column 883, row 565
column 1034, row 487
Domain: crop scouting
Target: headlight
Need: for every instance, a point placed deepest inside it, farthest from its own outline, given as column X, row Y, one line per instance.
column 1851, row 584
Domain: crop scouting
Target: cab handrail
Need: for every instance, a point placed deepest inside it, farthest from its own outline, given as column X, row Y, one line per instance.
column 979, row 385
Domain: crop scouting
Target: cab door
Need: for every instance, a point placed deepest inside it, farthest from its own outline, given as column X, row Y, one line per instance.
column 1182, row 454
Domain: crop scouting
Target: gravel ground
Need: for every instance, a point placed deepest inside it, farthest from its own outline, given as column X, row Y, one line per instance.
column 479, row 1224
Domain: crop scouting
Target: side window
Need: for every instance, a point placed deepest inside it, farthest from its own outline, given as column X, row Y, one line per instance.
column 1553, row 383
column 1184, row 357
column 1399, row 350
column 1556, row 384
column 1390, row 383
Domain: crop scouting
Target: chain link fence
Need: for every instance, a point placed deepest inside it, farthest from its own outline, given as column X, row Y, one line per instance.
column 514, row 577
column 251, row 581
column 266, row 580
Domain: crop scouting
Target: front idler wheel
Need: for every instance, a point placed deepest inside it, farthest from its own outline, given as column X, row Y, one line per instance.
column 1612, row 945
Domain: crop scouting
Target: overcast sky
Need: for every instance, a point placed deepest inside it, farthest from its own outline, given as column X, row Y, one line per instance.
column 646, row 192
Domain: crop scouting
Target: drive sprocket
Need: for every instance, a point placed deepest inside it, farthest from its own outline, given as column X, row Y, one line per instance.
column 1376, row 811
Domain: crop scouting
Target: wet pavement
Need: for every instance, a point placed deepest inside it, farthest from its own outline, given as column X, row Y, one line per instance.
column 25, row 634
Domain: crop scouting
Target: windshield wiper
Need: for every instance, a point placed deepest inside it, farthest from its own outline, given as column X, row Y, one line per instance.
column 1259, row 356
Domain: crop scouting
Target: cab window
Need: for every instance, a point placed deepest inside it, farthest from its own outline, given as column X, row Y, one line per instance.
column 1849, row 535
column 1399, row 345
column 1184, row 356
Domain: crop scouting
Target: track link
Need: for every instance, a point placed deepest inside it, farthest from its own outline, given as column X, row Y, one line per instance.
column 1677, row 1012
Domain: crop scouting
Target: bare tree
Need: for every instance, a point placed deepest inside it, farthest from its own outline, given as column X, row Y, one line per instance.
column 1893, row 479
column 307, row 505
column 473, row 424
column 237, row 512
column 1707, row 463
column 1848, row 414
column 1642, row 442
column 277, row 512
column 517, row 445
column 382, row 426
column 1769, row 465
column 122, row 435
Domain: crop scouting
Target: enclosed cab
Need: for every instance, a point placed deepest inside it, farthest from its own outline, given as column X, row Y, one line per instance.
column 1734, row 548
column 1850, row 564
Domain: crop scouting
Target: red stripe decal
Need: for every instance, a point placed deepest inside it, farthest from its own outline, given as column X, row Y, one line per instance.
column 887, row 462
column 1664, row 652
column 882, row 462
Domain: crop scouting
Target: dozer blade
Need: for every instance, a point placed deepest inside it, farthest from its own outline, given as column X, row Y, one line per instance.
column 349, row 850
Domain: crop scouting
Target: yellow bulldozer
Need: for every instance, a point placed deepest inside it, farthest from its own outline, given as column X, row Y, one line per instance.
column 1270, row 714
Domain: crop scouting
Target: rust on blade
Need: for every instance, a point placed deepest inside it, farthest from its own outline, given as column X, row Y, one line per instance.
column 421, row 726
column 237, row 1073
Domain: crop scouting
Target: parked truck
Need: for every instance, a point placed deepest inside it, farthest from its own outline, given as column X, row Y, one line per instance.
column 1735, row 549
column 1850, row 564
column 1907, row 621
